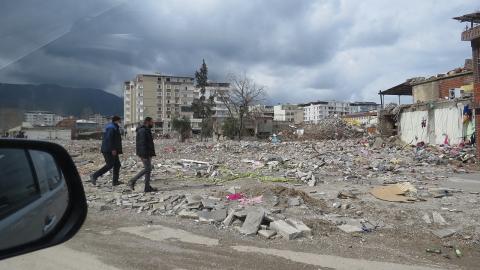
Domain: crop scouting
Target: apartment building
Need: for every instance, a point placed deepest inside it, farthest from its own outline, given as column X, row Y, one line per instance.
column 315, row 111
column 261, row 109
column 217, row 89
column 158, row 96
column 288, row 113
column 42, row 118
column 363, row 106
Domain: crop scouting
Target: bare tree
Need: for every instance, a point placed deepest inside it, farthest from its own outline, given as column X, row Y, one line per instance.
column 243, row 93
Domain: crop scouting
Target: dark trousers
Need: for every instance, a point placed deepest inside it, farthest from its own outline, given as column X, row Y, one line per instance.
column 147, row 171
column 111, row 161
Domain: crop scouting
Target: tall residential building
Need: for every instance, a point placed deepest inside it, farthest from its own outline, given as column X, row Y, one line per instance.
column 158, row 96
column 42, row 118
column 288, row 113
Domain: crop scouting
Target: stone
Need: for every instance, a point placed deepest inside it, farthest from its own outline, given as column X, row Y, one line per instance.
column 348, row 228
column 295, row 201
column 208, row 203
column 438, row 219
column 442, row 233
column 252, row 221
column 218, row 215
column 299, row 225
column 192, row 199
column 241, row 214
column 285, row 230
column 426, row 218
column 378, row 143
column 267, row 233
column 184, row 213
column 105, row 207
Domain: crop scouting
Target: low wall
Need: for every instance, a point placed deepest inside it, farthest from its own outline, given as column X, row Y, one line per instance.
column 442, row 119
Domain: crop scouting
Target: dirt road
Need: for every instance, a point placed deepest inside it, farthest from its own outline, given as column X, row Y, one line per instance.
column 123, row 242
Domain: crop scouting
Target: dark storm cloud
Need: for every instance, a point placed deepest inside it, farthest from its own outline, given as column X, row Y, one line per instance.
column 300, row 50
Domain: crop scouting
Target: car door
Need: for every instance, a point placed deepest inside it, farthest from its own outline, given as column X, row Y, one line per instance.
column 53, row 188
column 21, row 208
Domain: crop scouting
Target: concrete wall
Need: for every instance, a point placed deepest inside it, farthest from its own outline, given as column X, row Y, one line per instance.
column 48, row 134
column 443, row 119
column 425, row 91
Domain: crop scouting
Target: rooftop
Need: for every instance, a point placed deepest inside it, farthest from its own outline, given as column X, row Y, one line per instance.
column 472, row 17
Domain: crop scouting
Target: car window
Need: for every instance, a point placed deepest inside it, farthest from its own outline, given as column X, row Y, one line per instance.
column 47, row 174
column 17, row 183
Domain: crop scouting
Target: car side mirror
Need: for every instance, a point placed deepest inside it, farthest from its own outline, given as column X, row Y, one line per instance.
column 42, row 201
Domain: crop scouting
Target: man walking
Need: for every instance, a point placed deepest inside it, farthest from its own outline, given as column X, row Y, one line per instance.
column 145, row 150
column 111, row 148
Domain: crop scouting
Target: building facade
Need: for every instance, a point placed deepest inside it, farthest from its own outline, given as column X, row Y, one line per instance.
column 42, row 118
column 158, row 96
column 315, row 111
column 289, row 113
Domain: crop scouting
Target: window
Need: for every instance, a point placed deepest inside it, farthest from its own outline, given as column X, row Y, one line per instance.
column 17, row 185
column 48, row 173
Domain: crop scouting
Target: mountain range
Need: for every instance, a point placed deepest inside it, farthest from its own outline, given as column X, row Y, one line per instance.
column 67, row 101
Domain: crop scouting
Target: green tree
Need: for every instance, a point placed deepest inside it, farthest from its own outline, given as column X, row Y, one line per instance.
column 183, row 127
column 230, row 127
column 203, row 106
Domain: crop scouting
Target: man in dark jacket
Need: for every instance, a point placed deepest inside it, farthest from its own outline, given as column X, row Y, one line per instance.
column 145, row 150
column 111, row 148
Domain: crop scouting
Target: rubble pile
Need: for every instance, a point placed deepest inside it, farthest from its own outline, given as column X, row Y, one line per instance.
column 280, row 190
column 332, row 129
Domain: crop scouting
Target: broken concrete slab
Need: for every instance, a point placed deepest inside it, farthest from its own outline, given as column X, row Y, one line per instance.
column 267, row 233
column 285, row 230
column 299, row 225
column 184, row 213
column 442, row 233
column 348, row 228
column 241, row 214
column 438, row 219
column 209, row 203
column 252, row 221
column 295, row 201
column 426, row 218
column 229, row 219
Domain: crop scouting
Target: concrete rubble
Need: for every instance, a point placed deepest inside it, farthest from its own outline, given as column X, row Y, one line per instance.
column 291, row 189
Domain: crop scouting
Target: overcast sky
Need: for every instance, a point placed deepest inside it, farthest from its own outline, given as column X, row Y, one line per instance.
column 299, row 50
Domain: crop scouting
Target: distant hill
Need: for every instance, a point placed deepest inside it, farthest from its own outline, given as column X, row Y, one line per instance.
column 59, row 99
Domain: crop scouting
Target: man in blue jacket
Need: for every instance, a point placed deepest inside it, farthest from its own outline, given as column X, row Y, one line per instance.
column 111, row 148
column 145, row 149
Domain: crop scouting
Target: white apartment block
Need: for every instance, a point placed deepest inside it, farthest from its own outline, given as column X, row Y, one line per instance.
column 158, row 96
column 315, row 111
column 288, row 113
column 42, row 118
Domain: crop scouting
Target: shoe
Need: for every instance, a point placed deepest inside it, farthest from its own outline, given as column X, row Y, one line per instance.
column 117, row 183
column 150, row 189
column 131, row 185
column 93, row 180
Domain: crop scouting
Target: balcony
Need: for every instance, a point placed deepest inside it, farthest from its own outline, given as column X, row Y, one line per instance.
column 471, row 34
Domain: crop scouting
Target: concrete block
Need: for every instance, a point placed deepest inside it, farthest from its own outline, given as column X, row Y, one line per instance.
column 184, row 213
column 284, row 229
column 252, row 221
column 438, row 219
column 267, row 233
column 229, row 219
column 299, row 225
column 442, row 233
column 350, row 228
